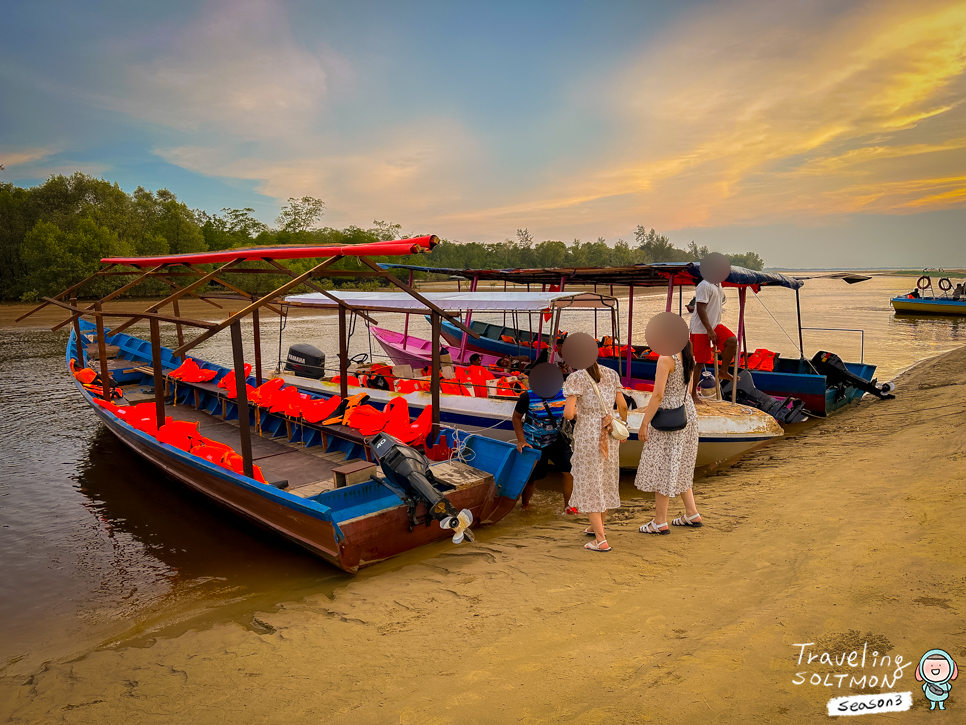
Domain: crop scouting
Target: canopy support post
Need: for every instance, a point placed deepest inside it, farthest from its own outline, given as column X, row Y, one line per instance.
column 406, row 328
column 241, row 398
column 670, row 293
column 469, row 317
column 102, row 353
column 77, row 333
column 178, row 328
column 435, row 375
column 630, row 330
column 343, row 355
column 742, row 291
column 556, row 331
column 257, row 336
column 158, row 371
column 798, row 309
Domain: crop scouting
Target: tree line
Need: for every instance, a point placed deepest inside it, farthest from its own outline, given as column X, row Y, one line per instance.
column 54, row 234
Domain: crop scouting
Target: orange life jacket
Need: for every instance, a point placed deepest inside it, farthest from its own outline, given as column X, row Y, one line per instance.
column 315, row 411
column 229, row 379
column 343, row 411
column 507, row 338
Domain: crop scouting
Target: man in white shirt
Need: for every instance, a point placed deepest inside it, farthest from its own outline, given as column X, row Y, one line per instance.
column 707, row 332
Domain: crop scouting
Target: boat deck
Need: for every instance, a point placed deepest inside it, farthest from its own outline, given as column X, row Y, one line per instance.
column 309, row 471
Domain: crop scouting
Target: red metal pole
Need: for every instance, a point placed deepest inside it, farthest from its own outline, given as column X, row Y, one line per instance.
column 630, row 330
column 469, row 317
column 406, row 328
column 670, row 293
column 741, row 332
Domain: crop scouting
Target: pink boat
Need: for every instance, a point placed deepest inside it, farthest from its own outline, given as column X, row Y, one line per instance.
column 408, row 350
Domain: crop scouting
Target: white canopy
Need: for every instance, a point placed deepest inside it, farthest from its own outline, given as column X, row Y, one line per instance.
column 495, row 301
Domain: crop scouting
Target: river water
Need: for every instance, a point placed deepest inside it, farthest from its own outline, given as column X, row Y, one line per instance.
column 97, row 548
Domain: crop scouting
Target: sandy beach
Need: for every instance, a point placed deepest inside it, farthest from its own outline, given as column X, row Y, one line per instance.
column 845, row 535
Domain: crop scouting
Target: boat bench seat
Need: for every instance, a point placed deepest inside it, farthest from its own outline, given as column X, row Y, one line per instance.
column 284, row 424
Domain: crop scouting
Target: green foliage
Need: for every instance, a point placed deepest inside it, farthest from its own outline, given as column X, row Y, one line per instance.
column 300, row 215
column 54, row 234
column 748, row 260
column 56, row 258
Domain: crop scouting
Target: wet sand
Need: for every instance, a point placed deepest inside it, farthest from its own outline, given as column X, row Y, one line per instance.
column 849, row 532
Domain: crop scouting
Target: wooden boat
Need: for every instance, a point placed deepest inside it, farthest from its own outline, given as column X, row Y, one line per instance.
column 283, row 478
column 791, row 377
column 799, row 378
column 924, row 300
column 725, row 431
column 933, row 306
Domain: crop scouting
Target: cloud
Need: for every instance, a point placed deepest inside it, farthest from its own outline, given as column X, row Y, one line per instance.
column 235, row 70
column 752, row 113
column 409, row 173
column 24, row 156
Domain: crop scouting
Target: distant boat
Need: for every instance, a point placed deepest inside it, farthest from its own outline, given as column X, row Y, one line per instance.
column 924, row 300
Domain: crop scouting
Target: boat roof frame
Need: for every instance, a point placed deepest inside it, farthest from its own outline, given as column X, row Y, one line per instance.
column 170, row 267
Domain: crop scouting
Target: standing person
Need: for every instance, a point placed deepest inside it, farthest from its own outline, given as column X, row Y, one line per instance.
column 536, row 422
column 596, row 455
column 707, row 332
column 667, row 457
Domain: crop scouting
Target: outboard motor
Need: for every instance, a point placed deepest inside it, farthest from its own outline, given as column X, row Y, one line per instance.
column 785, row 410
column 836, row 374
column 408, row 471
column 306, row 361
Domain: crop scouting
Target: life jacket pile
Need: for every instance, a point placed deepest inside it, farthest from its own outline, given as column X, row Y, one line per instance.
column 761, row 359
column 190, row 372
column 92, row 383
column 510, row 387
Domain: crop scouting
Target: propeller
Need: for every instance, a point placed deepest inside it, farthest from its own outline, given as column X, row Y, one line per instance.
column 461, row 526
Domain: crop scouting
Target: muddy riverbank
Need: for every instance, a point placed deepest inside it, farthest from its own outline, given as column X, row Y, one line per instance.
column 848, row 533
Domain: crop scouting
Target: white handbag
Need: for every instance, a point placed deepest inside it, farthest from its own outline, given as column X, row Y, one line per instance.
column 618, row 429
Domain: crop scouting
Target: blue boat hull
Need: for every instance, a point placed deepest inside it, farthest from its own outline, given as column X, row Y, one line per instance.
column 793, row 378
column 350, row 527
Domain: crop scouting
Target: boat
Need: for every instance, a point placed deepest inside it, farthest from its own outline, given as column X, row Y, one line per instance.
column 405, row 349
column 725, row 431
column 794, row 377
column 316, row 484
column 923, row 300
column 821, row 389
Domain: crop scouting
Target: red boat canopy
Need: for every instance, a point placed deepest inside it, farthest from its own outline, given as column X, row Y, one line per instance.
column 376, row 249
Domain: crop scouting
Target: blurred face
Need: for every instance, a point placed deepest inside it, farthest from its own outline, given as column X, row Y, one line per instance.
column 936, row 670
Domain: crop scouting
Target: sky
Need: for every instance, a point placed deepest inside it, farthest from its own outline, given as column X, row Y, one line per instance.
column 818, row 133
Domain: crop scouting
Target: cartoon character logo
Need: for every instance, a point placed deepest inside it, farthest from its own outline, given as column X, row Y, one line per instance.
column 935, row 670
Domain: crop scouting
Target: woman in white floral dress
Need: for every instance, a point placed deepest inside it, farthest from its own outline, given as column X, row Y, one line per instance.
column 667, row 457
column 596, row 454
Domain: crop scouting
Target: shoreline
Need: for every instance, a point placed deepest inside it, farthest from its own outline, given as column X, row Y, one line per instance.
column 847, row 532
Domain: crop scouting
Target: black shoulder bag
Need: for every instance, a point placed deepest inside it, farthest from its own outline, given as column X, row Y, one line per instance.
column 671, row 419
column 566, row 427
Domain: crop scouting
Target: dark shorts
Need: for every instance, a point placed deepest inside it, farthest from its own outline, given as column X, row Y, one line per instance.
column 557, row 453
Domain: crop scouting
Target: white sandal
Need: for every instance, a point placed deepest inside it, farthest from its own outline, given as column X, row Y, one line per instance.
column 688, row 521
column 595, row 546
column 654, row 528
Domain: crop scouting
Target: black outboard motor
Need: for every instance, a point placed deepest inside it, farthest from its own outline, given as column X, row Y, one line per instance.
column 408, row 471
column 837, row 375
column 785, row 410
column 306, row 361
